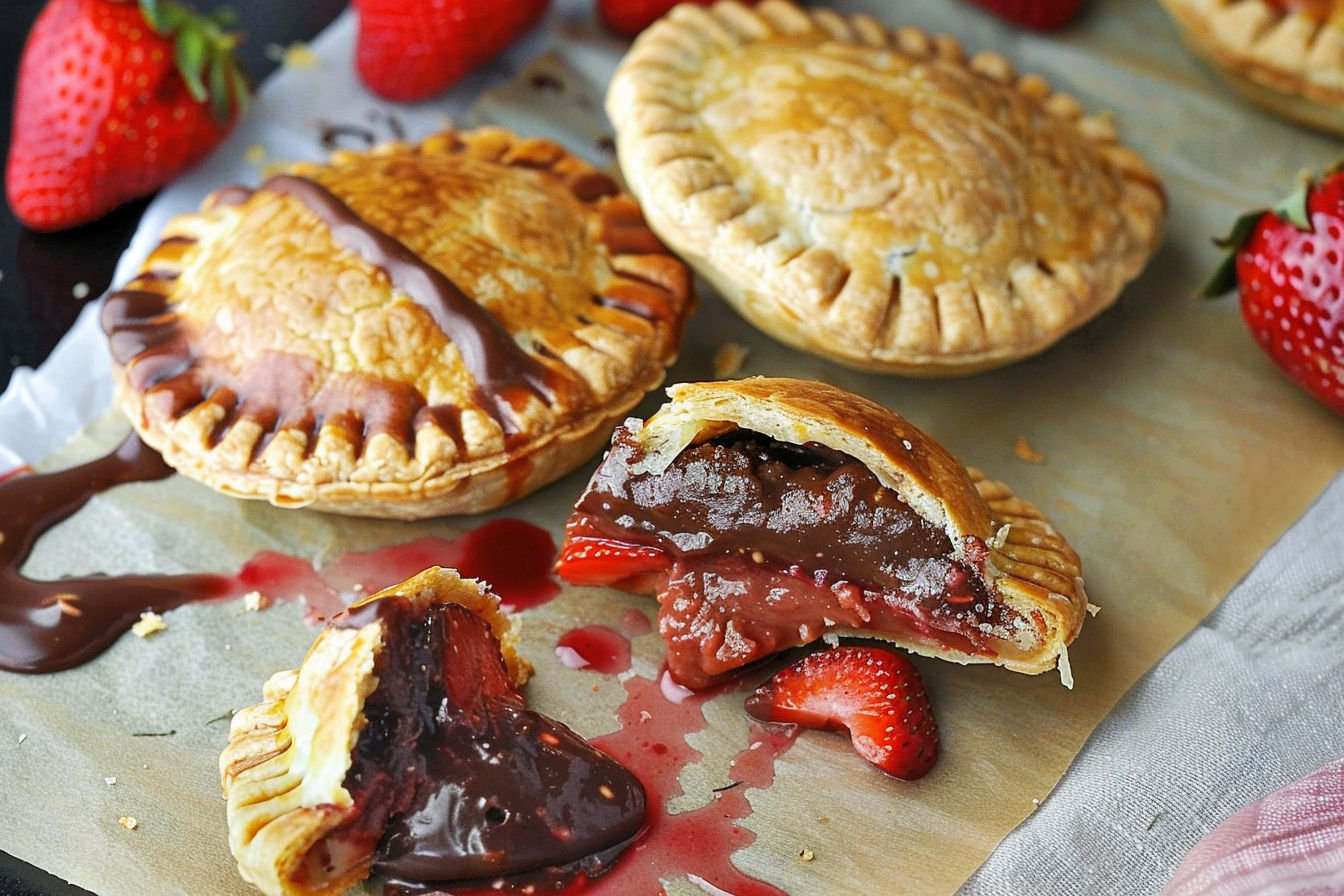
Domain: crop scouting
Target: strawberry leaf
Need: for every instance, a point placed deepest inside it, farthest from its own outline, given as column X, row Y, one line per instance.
column 191, row 50
column 1293, row 208
column 1224, row 277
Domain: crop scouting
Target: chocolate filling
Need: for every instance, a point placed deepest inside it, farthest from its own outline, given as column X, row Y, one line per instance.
column 460, row 782
column 771, row 544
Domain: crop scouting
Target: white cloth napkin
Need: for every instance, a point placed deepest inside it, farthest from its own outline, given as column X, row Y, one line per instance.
column 1250, row 701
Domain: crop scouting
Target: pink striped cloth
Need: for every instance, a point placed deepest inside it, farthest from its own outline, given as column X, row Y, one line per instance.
column 1288, row 843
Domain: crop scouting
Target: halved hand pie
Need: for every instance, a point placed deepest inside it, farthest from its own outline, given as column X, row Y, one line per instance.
column 1284, row 55
column 871, row 195
column 401, row 746
column 407, row 332
column 766, row 513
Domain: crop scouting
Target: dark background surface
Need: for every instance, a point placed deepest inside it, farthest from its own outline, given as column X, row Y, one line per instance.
column 39, row 273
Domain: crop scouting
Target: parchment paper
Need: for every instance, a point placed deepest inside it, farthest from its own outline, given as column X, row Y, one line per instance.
column 1173, row 456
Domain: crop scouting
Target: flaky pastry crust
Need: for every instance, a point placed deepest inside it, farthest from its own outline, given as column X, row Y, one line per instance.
column 1031, row 568
column 406, row 332
column 283, row 770
column 1287, row 57
column 870, row 194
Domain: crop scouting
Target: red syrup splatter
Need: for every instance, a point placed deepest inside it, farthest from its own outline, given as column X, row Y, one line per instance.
column 635, row 622
column 695, row 845
column 46, row 626
column 512, row 556
column 594, row 647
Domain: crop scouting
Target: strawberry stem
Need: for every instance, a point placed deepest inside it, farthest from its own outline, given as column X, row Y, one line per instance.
column 202, row 49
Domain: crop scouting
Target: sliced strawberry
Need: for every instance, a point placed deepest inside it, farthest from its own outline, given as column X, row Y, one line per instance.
column 591, row 560
column 875, row 694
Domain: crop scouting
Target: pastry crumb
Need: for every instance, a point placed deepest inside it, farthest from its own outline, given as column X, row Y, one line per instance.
column 253, row 601
column 729, row 359
column 806, row 855
column 128, row 822
column 294, row 56
column 255, row 155
column 150, row 622
column 109, row 781
column 1025, row 453
column 1093, row 610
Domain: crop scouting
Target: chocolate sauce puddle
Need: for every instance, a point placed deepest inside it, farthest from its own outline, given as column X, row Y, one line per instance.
column 496, row 362
column 483, row 792
column 49, row 626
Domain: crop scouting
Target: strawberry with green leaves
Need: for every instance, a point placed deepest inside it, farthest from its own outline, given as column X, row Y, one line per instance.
column 1287, row 264
column 873, row 693
column 115, row 98
column 409, row 50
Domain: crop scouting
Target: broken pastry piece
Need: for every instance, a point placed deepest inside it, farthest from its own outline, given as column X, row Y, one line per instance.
column 401, row 747
column 872, row 195
column 768, row 513
column 1287, row 56
column 406, row 332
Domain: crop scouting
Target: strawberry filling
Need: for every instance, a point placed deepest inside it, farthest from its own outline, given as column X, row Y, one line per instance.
column 753, row 546
column 455, row 781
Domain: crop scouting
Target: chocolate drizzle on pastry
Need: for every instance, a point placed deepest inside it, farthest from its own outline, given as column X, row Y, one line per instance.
column 494, row 359
column 411, row 331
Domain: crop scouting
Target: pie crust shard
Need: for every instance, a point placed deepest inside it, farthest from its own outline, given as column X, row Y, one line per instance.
column 872, row 195
column 1286, row 56
column 412, row 331
column 769, row 513
column 401, row 747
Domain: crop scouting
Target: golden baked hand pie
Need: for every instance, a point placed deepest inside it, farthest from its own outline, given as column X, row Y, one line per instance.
column 768, row 513
column 871, row 195
column 401, row 747
column 1285, row 55
column 411, row 331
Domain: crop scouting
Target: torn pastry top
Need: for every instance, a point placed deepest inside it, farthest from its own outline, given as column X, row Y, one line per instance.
column 402, row 747
column 766, row 513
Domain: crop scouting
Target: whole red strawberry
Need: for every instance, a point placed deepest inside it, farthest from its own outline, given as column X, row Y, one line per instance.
column 629, row 17
column 1288, row 266
column 874, row 693
column 408, row 50
column 1039, row 15
column 114, row 100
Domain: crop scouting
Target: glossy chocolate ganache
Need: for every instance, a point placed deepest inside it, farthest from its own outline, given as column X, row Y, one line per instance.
column 460, row 783
column 769, row 545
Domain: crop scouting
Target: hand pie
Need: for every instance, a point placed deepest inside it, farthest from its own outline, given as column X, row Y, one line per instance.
column 401, row 746
column 872, row 196
column 407, row 332
column 1284, row 55
column 768, row 513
